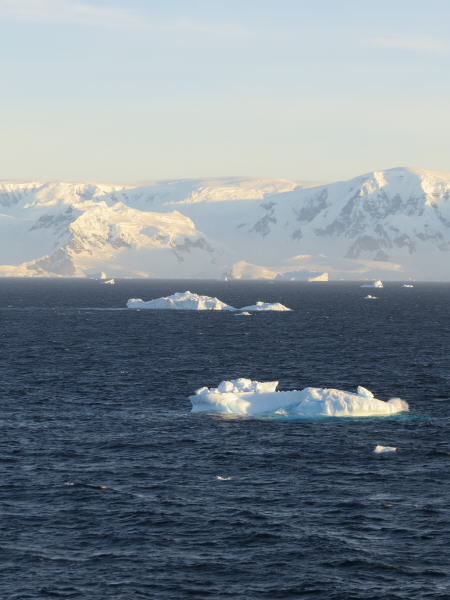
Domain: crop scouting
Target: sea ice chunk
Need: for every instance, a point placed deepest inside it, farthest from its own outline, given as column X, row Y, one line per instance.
column 369, row 297
column 384, row 449
column 264, row 306
column 244, row 397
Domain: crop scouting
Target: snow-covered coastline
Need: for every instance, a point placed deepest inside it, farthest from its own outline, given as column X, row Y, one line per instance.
column 244, row 397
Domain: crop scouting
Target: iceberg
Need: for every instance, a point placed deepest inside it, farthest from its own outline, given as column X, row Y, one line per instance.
column 264, row 306
column 109, row 282
column 244, row 397
column 408, row 285
column 376, row 284
column 369, row 297
column 384, row 449
column 191, row 301
column 180, row 301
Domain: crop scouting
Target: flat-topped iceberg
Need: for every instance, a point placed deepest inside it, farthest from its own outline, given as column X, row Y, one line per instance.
column 375, row 284
column 181, row 301
column 244, row 397
column 260, row 306
column 191, row 301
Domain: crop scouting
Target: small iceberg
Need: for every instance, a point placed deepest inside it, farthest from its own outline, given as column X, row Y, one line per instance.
column 109, row 282
column 243, row 314
column 384, row 449
column 369, row 297
column 408, row 285
column 264, row 306
column 180, row 301
column 191, row 301
column 375, row 284
column 244, row 397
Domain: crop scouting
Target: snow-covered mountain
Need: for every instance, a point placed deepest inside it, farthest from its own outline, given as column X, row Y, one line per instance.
column 393, row 224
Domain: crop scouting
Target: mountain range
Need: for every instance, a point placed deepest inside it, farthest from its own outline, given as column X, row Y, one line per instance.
column 392, row 224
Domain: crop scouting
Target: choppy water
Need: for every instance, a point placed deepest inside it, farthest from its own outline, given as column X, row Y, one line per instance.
column 301, row 509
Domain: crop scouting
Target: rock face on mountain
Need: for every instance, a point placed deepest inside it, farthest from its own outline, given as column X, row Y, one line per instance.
column 393, row 224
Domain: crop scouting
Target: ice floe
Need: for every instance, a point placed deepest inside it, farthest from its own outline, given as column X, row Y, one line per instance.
column 369, row 297
column 191, row 301
column 244, row 397
column 384, row 449
column 408, row 285
column 109, row 282
column 376, row 284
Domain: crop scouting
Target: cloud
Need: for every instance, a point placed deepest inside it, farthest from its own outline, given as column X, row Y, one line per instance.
column 68, row 11
column 82, row 12
column 414, row 44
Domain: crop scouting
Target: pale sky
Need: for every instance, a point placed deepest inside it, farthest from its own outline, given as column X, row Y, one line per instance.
column 131, row 90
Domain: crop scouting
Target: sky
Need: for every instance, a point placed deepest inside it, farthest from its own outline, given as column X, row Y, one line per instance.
column 136, row 90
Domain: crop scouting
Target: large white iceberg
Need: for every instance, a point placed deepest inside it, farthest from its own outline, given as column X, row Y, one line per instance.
column 191, row 301
column 244, row 397
column 181, row 301
column 376, row 284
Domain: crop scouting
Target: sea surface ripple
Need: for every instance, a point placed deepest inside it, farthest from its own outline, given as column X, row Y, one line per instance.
column 111, row 489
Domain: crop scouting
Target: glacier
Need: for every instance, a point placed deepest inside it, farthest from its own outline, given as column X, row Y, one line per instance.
column 246, row 398
column 383, row 225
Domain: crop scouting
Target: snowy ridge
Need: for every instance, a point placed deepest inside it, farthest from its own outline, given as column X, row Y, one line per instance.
column 392, row 224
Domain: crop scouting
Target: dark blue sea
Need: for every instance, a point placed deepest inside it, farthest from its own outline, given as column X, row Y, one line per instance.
column 98, row 398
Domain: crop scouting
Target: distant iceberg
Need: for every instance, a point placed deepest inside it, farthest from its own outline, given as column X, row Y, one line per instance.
column 261, row 306
column 376, row 284
column 369, row 297
column 109, row 282
column 302, row 276
column 408, row 285
column 244, row 397
column 181, row 301
column 190, row 301
column 384, row 449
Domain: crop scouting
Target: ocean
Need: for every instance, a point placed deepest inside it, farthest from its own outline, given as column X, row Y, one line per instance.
column 112, row 489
